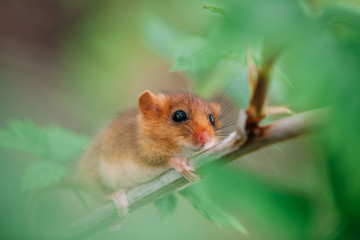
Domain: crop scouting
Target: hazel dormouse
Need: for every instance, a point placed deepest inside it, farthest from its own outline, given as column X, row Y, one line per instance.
column 140, row 144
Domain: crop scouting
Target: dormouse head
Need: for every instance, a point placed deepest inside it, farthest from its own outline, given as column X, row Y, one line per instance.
column 181, row 120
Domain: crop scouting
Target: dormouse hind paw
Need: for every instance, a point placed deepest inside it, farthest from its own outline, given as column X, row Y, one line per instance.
column 121, row 201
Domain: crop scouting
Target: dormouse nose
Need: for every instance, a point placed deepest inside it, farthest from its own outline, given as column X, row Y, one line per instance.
column 203, row 137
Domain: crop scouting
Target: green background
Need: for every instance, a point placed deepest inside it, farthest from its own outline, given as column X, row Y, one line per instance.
column 76, row 64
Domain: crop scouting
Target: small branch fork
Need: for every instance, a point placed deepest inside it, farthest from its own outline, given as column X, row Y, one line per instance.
column 248, row 137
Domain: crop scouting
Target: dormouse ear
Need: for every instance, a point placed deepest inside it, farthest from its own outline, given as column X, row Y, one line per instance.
column 149, row 103
column 215, row 108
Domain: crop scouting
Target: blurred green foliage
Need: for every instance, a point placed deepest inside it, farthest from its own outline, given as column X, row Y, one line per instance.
column 202, row 202
column 313, row 196
column 166, row 205
column 319, row 62
column 53, row 145
column 43, row 174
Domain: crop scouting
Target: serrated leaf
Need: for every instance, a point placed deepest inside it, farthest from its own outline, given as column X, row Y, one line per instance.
column 25, row 136
column 166, row 205
column 64, row 145
column 42, row 174
column 51, row 143
column 202, row 202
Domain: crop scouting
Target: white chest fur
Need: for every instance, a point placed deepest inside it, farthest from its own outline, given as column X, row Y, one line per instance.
column 126, row 174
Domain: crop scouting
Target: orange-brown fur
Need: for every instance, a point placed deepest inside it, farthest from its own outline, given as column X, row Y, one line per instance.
column 137, row 145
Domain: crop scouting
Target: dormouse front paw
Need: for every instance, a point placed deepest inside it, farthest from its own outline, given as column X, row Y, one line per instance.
column 182, row 166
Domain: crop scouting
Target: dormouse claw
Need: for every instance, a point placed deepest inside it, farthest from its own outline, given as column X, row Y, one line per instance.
column 182, row 166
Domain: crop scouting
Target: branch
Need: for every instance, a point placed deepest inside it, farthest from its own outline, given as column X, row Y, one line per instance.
column 233, row 147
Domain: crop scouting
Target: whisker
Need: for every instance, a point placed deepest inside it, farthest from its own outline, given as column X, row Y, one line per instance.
column 226, row 108
column 224, row 134
column 215, row 90
column 223, row 93
column 198, row 154
column 227, row 124
column 229, row 108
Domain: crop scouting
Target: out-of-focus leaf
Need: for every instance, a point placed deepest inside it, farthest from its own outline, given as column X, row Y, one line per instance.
column 251, row 22
column 160, row 36
column 344, row 13
column 194, row 53
column 342, row 137
column 190, row 53
column 42, row 174
column 286, row 215
column 64, row 145
column 51, row 143
column 166, row 205
column 202, row 202
column 25, row 136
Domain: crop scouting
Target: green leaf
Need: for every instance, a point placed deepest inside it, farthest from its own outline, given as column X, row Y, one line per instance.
column 64, row 145
column 166, row 205
column 202, row 202
column 195, row 53
column 283, row 212
column 191, row 53
column 51, row 143
column 160, row 35
column 24, row 136
column 42, row 174
column 344, row 13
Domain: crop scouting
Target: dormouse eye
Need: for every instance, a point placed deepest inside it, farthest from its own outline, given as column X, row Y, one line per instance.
column 179, row 116
column 212, row 120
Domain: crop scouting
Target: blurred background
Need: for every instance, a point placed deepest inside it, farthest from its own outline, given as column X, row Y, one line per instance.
column 76, row 64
